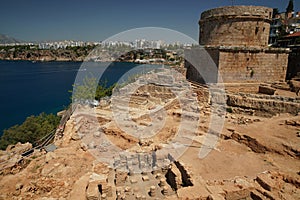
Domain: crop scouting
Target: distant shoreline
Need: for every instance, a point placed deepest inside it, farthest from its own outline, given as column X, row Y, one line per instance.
column 86, row 54
column 39, row 60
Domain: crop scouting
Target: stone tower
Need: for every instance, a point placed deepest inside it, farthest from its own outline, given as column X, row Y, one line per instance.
column 236, row 38
column 236, row 26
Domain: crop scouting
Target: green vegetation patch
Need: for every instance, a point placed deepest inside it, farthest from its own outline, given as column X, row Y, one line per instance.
column 32, row 129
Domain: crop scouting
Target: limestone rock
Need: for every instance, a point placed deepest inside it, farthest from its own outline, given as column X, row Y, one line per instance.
column 50, row 156
column 19, row 148
column 266, row 181
column 292, row 122
column 75, row 136
column 79, row 188
column 83, row 146
column 92, row 192
column 19, row 186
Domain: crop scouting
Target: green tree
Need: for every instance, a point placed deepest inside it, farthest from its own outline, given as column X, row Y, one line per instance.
column 90, row 89
column 85, row 90
column 290, row 7
column 32, row 129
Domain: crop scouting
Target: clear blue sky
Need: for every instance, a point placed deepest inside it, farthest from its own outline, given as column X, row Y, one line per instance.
column 96, row 20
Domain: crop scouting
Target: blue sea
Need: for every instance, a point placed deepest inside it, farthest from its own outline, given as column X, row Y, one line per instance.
column 30, row 88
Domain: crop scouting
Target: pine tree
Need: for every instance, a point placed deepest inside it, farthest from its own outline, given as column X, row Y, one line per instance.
column 290, row 7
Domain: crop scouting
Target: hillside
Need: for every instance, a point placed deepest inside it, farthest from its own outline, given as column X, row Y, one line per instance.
column 5, row 39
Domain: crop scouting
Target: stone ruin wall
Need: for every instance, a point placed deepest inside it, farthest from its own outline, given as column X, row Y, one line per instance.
column 235, row 26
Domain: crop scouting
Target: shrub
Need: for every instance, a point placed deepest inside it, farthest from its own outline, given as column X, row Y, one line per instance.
column 32, row 129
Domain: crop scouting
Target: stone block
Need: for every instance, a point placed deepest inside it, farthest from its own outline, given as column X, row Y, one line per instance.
column 266, row 90
column 214, row 189
column 132, row 181
column 199, row 192
column 145, row 178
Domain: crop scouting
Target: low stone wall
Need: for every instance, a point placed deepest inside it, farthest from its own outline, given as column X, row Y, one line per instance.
column 265, row 103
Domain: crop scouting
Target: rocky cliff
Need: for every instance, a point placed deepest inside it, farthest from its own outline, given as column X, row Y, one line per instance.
column 18, row 53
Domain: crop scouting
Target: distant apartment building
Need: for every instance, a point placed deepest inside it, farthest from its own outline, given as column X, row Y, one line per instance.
column 144, row 44
column 63, row 44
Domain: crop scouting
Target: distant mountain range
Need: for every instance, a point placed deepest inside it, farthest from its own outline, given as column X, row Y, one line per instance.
column 5, row 39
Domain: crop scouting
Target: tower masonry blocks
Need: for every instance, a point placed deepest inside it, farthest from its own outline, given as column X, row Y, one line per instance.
column 236, row 26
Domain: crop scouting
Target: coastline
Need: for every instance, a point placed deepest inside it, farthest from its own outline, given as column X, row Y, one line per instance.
column 96, row 61
column 32, row 53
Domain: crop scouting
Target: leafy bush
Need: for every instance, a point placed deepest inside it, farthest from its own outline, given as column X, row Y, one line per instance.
column 32, row 129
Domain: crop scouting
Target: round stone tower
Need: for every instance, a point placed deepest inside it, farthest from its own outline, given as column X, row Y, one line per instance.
column 238, row 26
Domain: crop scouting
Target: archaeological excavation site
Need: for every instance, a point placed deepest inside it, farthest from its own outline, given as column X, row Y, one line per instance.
column 223, row 125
